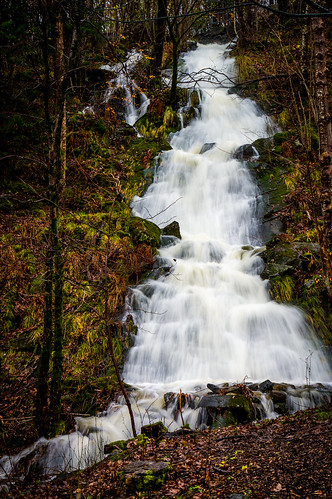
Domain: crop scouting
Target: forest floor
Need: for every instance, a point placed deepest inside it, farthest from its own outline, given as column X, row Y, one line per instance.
column 288, row 457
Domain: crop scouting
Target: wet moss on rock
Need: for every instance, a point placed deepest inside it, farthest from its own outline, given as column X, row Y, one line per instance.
column 144, row 232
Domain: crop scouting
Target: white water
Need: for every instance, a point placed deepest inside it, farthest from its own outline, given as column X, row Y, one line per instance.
column 210, row 318
column 134, row 108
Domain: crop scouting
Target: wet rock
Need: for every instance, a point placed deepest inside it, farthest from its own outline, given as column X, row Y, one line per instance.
column 281, row 258
column 207, row 147
column 247, row 248
column 213, row 388
column 172, row 229
column 279, row 399
column 266, row 386
column 188, row 114
column 245, row 152
column 263, row 147
column 166, row 241
column 192, row 45
column 194, row 98
column 227, row 409
column 143, row 476
column 169, row 398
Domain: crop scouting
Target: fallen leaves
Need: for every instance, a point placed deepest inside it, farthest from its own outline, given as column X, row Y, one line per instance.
column 210, row 464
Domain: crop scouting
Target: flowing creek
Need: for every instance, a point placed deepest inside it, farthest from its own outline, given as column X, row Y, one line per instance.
column 208, row 317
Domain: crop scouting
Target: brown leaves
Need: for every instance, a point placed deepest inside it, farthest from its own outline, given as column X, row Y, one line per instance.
column 255, row 460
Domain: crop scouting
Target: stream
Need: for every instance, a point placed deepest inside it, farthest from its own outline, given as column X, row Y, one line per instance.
column 206, row 316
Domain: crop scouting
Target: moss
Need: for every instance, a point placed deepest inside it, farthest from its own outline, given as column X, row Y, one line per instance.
column 154, row 126
column 282, row 288
column 280, row 137
column 144, row 232
column 139, row 478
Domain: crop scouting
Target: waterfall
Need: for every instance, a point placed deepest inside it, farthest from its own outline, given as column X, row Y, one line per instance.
column 209, row 316
column 134, row 101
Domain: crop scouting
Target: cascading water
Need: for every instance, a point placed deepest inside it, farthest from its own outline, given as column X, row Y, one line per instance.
column 209, row 316
column 135, row 102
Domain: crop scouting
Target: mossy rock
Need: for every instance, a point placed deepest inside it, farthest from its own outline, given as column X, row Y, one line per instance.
column 172, row 229
column 194, row 98
column 143, row 476
column 188, row 114
column 280, row 257
column 144, row 232
column 218, row 406
column 115, row 447
column 154, row 430
column 263, row 147
column 226, row 419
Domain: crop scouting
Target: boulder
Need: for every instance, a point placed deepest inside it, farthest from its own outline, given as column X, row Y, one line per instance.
column 245, row 152
column 144, row 232
column 266, row 386
column 207, row 147
column 172, row 229
column 227, row 409
column 143, row 476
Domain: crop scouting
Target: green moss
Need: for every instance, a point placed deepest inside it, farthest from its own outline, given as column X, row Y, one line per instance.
column 280, row 138
column 144, row 232
column 282, row 288
column 144, row 481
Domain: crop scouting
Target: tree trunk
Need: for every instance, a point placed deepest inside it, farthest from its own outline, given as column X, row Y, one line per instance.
column 53, row 328
column 42, row 413
column 325, row 139
column 175, row 64
column 160, row 36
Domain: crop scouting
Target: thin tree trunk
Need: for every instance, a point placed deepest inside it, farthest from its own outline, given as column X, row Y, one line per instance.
column 175, row 64
column 55, row 401
column 325, row 139
column 160, row 35
column 42, row 413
